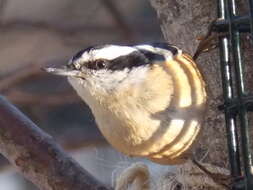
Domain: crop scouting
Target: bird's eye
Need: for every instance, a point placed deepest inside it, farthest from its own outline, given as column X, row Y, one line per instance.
column 97, row 65
column 100, row 64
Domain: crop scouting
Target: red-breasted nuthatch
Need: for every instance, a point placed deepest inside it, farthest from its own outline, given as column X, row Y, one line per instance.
column 148, row 100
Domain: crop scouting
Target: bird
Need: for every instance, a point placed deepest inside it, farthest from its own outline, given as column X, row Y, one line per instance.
column 149, row 100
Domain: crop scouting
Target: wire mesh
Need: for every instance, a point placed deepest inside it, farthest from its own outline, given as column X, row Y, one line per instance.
column 236, row 105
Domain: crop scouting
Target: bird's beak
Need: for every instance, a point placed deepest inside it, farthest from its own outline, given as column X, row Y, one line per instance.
column 64, row 72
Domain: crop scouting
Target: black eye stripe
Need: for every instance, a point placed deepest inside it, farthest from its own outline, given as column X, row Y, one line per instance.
column 134, row 59
column 96, row 65
column 152, row 56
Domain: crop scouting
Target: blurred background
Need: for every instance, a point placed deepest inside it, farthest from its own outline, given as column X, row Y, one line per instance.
column 38, row 33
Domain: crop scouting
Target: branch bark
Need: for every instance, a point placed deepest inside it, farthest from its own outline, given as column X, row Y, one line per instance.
column 35, row 154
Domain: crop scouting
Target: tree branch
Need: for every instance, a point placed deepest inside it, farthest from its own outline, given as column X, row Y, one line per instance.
column 36, row 156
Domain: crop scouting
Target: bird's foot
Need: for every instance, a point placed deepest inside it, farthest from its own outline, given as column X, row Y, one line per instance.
column 209, row 41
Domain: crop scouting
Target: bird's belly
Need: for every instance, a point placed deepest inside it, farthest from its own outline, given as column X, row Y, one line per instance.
column 162, row 140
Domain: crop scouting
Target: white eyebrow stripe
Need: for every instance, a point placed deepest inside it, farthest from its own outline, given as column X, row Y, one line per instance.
column 146, row 47
column 109, row 52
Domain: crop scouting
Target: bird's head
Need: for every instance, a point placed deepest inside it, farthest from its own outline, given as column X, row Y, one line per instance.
column 108, row 69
